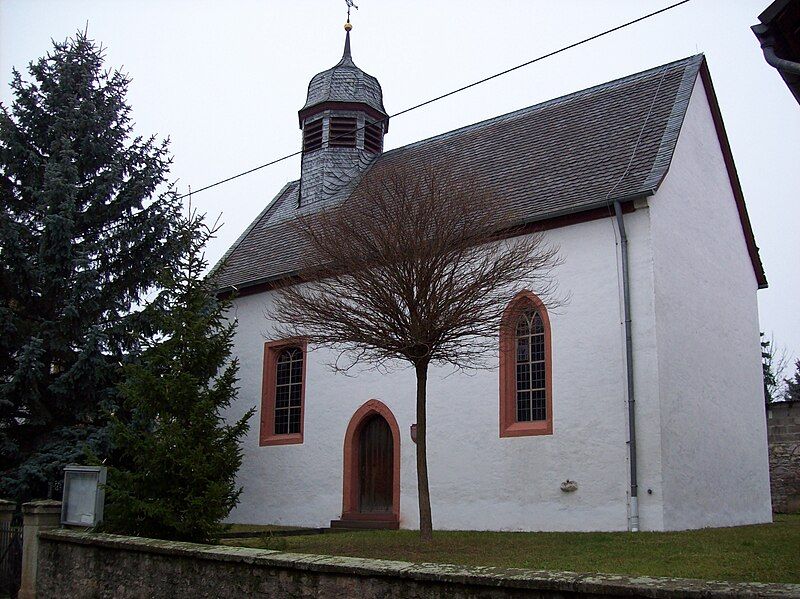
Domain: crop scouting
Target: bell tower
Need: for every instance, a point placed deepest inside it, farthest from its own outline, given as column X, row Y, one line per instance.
column 343, row 123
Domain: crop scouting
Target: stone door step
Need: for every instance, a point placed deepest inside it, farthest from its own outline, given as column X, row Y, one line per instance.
column 364, row 524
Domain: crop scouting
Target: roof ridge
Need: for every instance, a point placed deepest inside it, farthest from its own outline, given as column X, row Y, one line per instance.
column 547, row 103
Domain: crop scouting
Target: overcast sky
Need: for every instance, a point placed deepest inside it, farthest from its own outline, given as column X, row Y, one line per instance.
column 224, row 80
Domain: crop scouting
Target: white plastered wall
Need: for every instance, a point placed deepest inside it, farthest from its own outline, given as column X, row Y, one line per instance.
column 479, row 480
column 713, row 429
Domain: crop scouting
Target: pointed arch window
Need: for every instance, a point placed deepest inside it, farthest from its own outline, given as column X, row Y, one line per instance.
column 283, row 392
column 525, row 369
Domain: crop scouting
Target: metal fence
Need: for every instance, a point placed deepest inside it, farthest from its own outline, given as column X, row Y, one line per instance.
column 10, row 557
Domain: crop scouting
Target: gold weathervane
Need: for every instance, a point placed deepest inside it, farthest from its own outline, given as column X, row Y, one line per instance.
column 350, row 4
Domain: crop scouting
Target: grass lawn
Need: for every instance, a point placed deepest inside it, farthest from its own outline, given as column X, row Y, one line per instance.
column 763, row 553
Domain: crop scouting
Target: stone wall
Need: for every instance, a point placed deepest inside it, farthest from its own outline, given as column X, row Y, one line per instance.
column 783, row 432
column 77, row 564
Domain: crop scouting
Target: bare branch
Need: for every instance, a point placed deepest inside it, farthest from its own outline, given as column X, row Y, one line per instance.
column 417, row 266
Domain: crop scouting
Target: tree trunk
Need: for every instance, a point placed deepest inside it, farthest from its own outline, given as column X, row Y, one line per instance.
column 425, row 520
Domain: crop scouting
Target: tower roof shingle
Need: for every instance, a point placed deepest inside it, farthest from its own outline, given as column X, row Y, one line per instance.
column 345, row 82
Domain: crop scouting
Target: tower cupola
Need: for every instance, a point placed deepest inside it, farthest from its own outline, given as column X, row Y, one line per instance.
column 343, row 123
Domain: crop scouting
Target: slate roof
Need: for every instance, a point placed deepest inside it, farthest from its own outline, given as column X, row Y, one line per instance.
column 345, row 82
column 563, row 156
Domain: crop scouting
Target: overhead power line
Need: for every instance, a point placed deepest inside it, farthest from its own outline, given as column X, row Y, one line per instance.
column 455, row 91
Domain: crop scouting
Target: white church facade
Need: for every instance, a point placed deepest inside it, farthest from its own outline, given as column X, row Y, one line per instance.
column 551, row 452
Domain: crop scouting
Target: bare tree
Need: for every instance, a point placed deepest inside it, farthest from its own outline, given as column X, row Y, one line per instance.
column 774, row 363
column 416, row 267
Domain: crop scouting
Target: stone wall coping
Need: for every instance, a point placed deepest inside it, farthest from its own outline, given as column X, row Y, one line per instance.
column 43, row 506
column 786, row 403
column 7, row 506
column 512, row 578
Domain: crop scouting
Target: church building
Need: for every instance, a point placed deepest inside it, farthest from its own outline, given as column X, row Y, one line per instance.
column 637, row 405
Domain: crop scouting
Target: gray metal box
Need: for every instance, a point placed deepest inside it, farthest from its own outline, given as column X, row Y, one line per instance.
column 84, row 495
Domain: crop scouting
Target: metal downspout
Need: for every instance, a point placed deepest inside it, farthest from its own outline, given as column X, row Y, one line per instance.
column 633, row 519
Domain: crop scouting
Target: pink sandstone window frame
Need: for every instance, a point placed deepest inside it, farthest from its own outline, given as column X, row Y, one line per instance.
column 509, row 426
column 272, row 351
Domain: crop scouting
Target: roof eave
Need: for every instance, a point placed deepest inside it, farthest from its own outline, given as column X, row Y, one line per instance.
column 535, row 223
column 309, row 111
column 769, row 36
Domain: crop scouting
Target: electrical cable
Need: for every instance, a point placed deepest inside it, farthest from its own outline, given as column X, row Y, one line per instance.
column 450, row 93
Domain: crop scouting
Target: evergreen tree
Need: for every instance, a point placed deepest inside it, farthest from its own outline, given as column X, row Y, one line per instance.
column 793, row 384
column 86, row 227
column 175, row 458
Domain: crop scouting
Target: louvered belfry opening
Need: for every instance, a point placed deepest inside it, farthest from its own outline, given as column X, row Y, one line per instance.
column 343, row 123
column 312, row 136
column 373, row 138
column 343, row 132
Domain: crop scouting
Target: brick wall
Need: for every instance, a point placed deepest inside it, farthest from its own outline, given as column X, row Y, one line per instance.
column 783, row 432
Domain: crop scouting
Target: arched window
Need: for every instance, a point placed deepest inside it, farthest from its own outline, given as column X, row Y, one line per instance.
column 525, row 369
column 283, row 391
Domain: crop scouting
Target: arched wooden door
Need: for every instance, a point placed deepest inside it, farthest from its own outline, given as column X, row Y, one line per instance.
column 375, row 466
column 371, row 481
